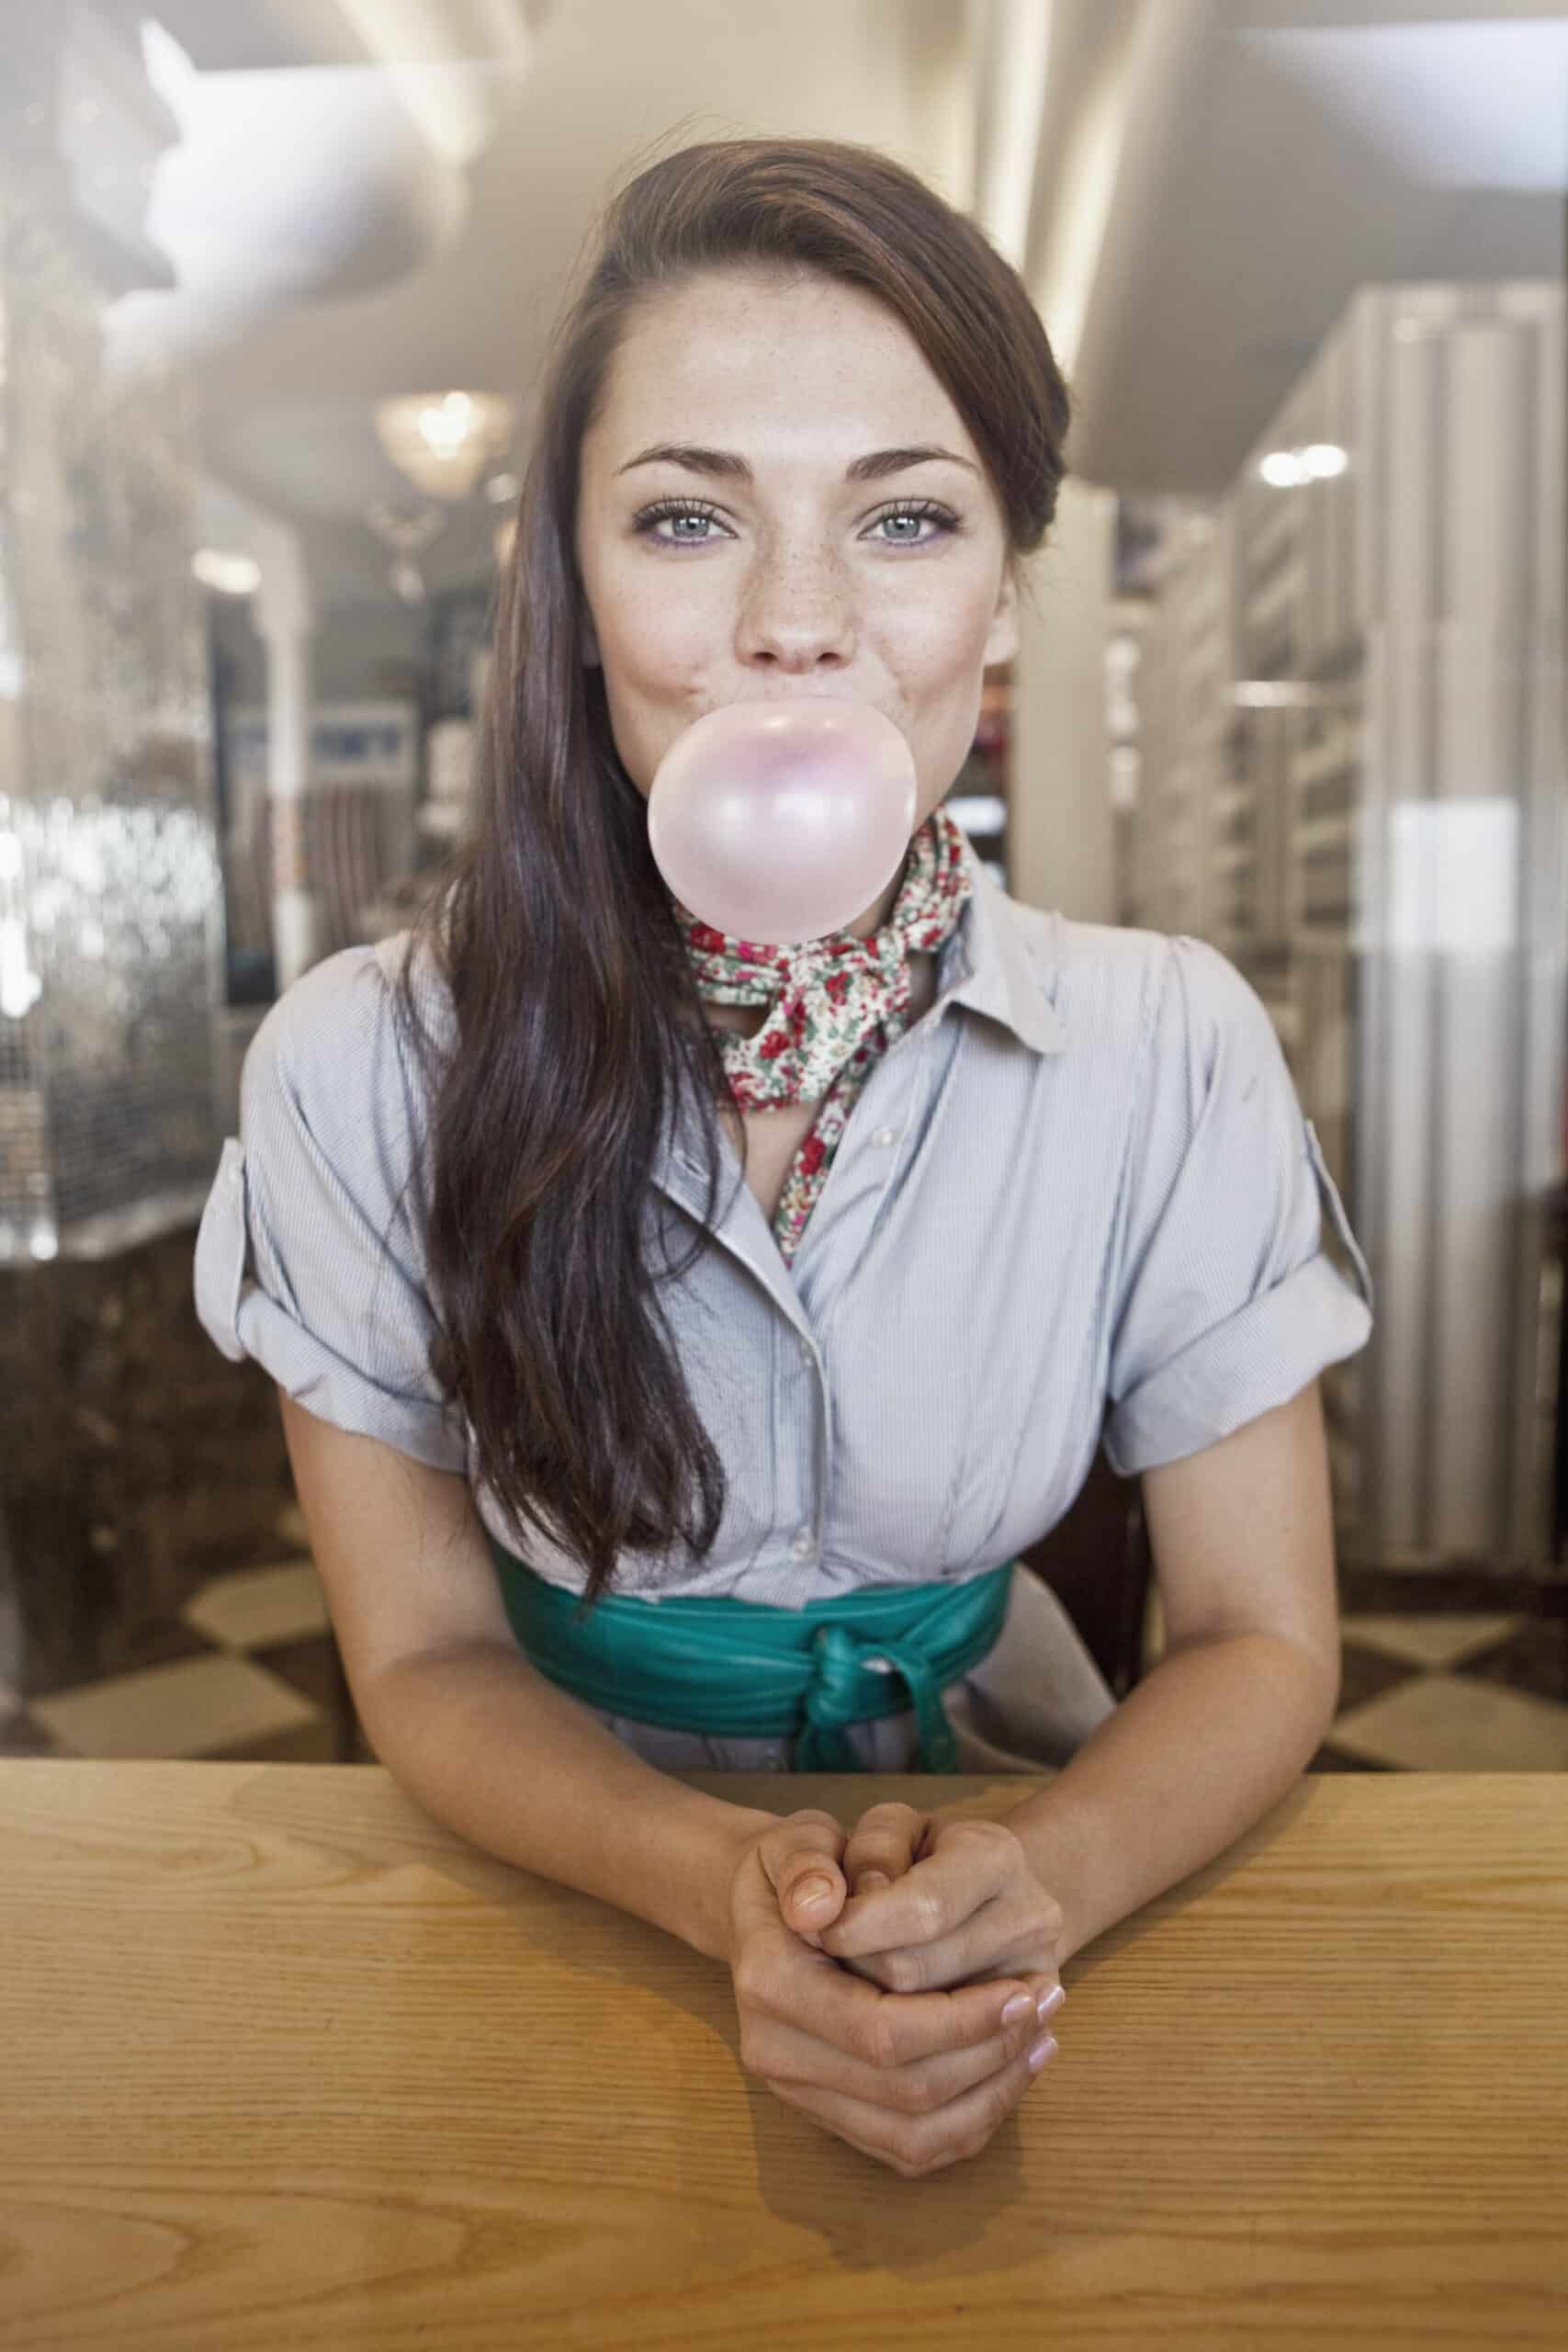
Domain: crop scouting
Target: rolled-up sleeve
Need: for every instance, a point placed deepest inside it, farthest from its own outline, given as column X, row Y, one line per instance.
column 1226, row 1303
column 308, row 1257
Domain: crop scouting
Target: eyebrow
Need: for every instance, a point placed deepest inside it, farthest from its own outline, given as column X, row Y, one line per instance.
column 727, row 462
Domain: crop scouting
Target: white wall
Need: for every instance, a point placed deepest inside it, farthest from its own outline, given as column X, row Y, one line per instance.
column 1060, row 845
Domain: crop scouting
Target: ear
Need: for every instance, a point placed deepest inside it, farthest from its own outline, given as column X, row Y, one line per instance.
column 1001, row 643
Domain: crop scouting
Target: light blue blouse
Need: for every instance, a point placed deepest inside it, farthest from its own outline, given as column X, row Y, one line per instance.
column 1078, row 1197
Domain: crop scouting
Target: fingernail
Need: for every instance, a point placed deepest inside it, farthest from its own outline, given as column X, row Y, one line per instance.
column 1045, row 2048
column 869, row 1879
column 1052, row 2002
column 1018, row 2006
column 813, row 1892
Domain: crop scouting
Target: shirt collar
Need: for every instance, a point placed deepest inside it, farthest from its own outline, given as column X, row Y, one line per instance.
column 990, row 963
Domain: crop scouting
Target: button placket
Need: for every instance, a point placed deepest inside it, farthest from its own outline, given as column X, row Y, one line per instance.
column 804, row 1544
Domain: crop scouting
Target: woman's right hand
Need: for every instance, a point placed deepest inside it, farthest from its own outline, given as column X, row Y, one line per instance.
column 917, row 2080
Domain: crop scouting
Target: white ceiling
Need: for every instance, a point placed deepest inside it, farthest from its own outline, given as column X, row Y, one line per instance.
column 1271, row 158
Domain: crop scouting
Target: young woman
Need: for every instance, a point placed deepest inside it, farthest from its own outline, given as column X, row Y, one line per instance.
column 993, row 1183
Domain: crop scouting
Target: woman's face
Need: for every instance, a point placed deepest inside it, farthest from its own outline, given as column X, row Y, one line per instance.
column 773, row 570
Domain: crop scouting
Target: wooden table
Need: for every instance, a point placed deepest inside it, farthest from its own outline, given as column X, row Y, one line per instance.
column 284, row 2063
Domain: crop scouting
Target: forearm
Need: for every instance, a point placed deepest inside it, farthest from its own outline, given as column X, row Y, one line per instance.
column 494, row 1749
column 1202, row 1748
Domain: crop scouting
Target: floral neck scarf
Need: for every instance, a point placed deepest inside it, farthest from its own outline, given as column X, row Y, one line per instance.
column 837, row 1004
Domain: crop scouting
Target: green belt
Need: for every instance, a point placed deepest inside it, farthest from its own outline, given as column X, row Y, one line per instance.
column 747, row 1669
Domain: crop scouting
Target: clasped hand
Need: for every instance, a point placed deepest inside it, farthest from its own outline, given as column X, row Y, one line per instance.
column 879, row 2014
column 931, row 1903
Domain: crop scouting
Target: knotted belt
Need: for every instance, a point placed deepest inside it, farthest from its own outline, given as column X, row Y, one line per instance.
column 745, row 1669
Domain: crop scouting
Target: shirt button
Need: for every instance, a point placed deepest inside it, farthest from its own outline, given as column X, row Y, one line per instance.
column 806, row 1352
column 884, row 1135
column 802, row 1545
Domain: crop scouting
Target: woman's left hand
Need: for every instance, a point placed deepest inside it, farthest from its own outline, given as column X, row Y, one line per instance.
column 961, row 1905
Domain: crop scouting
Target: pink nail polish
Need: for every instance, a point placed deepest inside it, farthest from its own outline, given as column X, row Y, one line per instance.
column 1052, row 2002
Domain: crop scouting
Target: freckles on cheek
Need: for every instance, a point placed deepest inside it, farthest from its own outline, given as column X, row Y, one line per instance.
column 667, row 643
column 941, row 639
column 943, row 688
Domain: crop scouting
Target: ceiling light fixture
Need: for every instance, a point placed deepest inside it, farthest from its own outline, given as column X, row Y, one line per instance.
column 231, row 575
column 1289, row 469
column 444, row 441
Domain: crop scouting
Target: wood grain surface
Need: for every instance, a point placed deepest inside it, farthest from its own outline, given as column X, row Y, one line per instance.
column 283, row 2061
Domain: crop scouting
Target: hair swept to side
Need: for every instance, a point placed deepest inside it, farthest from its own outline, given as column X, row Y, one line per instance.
column 575, row 1009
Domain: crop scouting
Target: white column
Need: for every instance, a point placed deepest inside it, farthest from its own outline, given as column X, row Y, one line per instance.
column 285, row 621
column 1060, row 832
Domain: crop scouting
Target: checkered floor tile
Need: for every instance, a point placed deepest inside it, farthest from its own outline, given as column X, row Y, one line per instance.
column 250, row 1672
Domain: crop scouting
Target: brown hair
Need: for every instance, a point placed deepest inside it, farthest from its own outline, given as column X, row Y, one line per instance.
column 574, row 998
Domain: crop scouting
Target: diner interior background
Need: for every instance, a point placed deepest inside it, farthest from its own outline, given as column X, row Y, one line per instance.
column 275, row 277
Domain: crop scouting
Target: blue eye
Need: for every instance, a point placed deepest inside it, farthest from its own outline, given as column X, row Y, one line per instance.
column 683, row 509
column 697, row 509
column 915, row 511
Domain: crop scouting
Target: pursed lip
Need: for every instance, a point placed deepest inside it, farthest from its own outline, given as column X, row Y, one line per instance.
column 769, row 701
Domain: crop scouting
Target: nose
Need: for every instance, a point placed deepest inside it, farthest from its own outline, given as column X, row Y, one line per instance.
column 795, row 613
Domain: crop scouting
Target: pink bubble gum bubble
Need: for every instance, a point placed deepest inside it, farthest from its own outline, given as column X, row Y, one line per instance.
column 778, row 821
